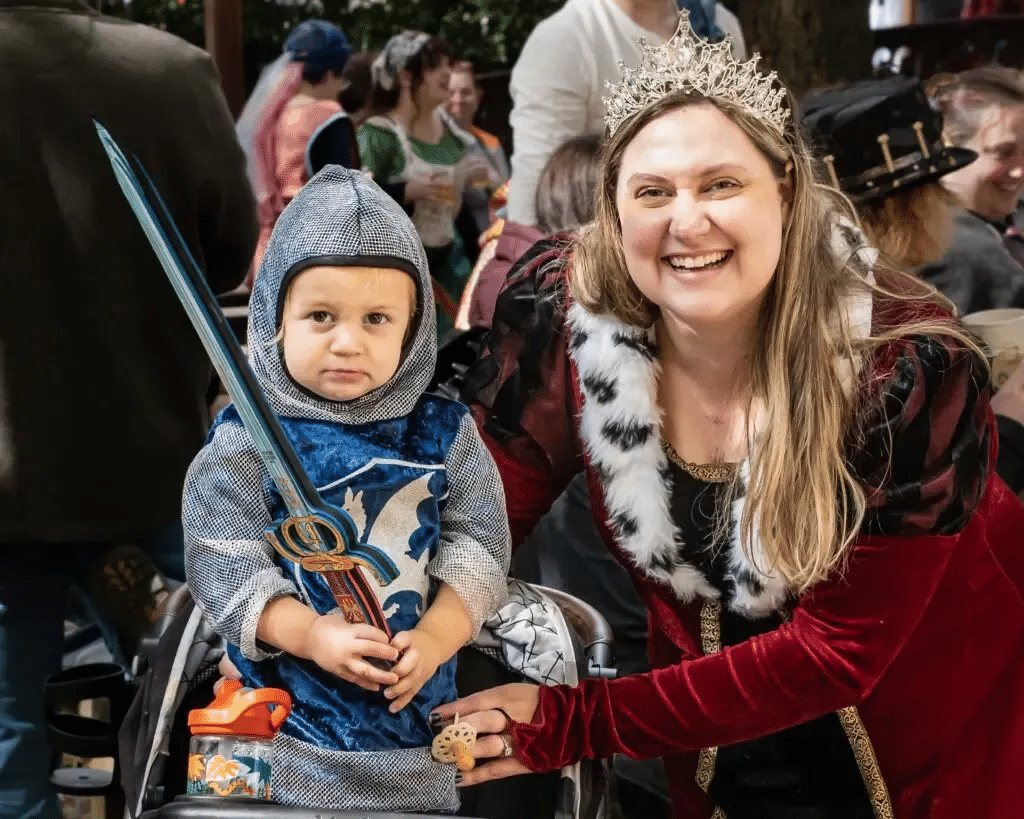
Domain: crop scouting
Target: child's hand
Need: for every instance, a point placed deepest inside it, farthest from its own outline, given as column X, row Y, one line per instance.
column 339, row 647
column 421, row 656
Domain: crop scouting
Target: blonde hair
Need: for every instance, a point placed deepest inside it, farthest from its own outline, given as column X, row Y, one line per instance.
column 910, row 227
column 807, row 505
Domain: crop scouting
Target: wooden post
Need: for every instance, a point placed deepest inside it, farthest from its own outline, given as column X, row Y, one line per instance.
column 224, row 42
column 909, row 11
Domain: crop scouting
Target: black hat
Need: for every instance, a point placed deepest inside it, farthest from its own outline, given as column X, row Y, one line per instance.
column 880, row 136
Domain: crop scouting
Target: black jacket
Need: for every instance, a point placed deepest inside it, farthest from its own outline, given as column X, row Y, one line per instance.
column 102, row 378
column 977, row 272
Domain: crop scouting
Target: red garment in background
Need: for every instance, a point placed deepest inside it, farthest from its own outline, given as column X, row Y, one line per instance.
column 284, row 149
column 502, row 245
column 987, row 8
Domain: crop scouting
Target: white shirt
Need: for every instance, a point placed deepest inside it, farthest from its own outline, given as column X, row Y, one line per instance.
column 559, row 80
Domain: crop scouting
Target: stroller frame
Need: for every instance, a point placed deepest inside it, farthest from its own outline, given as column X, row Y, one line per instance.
column 193, row 664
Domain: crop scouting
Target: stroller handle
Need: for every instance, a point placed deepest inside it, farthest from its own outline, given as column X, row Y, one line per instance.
column 593, row 629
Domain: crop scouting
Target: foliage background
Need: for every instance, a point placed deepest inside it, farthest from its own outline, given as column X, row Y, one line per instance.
column 488, row 32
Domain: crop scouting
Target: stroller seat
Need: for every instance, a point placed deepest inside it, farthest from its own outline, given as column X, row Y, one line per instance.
column 177, row 667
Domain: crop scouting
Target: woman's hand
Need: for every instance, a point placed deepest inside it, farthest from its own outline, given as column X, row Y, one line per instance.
column 423, row 189
column 421, row 655
column 479, row 173
column 491, row 712
column 341, row 647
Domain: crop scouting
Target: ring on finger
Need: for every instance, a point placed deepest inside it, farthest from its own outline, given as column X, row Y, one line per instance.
column 506, row 742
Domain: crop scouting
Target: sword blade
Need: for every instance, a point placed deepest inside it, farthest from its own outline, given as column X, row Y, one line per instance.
column 299, row 496
column 309, row 516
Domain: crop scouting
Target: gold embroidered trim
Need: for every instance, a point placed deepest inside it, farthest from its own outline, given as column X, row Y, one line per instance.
column 711, row 643
column 849, row 718
column 864, row 753
column 709, row 473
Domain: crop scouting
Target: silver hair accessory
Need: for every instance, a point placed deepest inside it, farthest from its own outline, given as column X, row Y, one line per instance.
column 395, row 56
column 686, row 62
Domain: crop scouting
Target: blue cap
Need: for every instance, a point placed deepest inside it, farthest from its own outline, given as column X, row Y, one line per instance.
column 318, row 44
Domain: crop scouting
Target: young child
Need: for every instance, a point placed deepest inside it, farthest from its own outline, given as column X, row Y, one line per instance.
column 342, row 339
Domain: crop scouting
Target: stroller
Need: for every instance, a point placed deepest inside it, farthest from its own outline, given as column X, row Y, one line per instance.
column 177, row 666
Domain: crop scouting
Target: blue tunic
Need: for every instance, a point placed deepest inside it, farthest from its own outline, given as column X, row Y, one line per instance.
column 390, row 477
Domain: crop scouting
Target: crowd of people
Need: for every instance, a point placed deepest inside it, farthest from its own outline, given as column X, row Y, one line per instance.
column 717, row 385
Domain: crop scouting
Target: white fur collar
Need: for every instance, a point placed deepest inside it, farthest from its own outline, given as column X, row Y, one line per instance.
column 621, row 428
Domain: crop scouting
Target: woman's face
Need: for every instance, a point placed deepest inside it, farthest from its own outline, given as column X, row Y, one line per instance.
column 433, row 88
column 701, row 213
column 992, row 185
column 462, row 100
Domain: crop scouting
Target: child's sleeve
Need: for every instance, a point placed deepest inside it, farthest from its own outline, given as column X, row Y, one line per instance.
column 475, row 549
column 228, row 563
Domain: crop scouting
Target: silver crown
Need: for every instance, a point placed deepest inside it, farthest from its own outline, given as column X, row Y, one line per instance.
column 688, row 63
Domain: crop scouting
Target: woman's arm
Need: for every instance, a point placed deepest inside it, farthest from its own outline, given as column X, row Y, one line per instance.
column 844, row 633
column 381, row 154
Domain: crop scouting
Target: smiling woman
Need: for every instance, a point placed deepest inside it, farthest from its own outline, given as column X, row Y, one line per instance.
column 790, row 449
column 984, row 266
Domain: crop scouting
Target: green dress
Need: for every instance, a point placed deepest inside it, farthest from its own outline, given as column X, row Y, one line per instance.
column 392, row 156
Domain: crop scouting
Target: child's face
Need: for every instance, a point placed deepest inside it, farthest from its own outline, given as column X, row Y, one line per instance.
column 344, row 328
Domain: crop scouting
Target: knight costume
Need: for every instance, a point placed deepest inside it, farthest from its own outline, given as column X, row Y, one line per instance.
column 411, row 471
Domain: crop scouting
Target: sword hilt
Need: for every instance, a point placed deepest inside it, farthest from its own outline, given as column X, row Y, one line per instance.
column 325, row 541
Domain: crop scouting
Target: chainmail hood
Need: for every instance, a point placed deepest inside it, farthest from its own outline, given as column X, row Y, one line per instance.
column 341, row 217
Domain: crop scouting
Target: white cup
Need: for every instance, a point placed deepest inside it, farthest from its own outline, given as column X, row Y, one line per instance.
column 1003, row 333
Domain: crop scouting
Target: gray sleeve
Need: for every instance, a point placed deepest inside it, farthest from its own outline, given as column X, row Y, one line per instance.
column 229, row 565
column 475, row 549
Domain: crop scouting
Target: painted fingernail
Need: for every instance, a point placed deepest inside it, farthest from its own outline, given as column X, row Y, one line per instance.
column 458, row 779
column 435, row 721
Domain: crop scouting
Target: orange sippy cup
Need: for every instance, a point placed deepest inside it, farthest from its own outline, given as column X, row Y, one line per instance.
column 232, row 747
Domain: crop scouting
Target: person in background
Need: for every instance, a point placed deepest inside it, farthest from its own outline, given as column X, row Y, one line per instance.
column 419, row 158
column 103, row 380
column 565, row 202
column 463, row 104
column 904, row 209
column 558, row 82
column 355, row 95
column 983, row 111
column 292, row 124
column 881, row 141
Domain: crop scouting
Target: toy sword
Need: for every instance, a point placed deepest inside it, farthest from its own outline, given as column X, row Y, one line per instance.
column 317, row 536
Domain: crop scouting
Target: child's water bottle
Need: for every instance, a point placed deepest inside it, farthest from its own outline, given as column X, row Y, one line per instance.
column 232, row 748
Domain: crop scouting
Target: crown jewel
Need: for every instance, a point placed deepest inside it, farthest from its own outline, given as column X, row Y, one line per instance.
column 687, row 63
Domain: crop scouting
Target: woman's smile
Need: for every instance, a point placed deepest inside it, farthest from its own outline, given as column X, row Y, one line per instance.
column 703, row 262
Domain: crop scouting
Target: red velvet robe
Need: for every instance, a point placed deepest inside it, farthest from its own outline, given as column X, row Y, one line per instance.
column 923, row 633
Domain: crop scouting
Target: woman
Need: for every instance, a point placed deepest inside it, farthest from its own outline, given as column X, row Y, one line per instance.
column 419, row 157
column 292, row 124
column 465, row 94
column 794, row 463
column 984, row 267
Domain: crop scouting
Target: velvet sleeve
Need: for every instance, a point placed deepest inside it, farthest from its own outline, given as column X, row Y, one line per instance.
column 521, row 389
column 844, row 632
